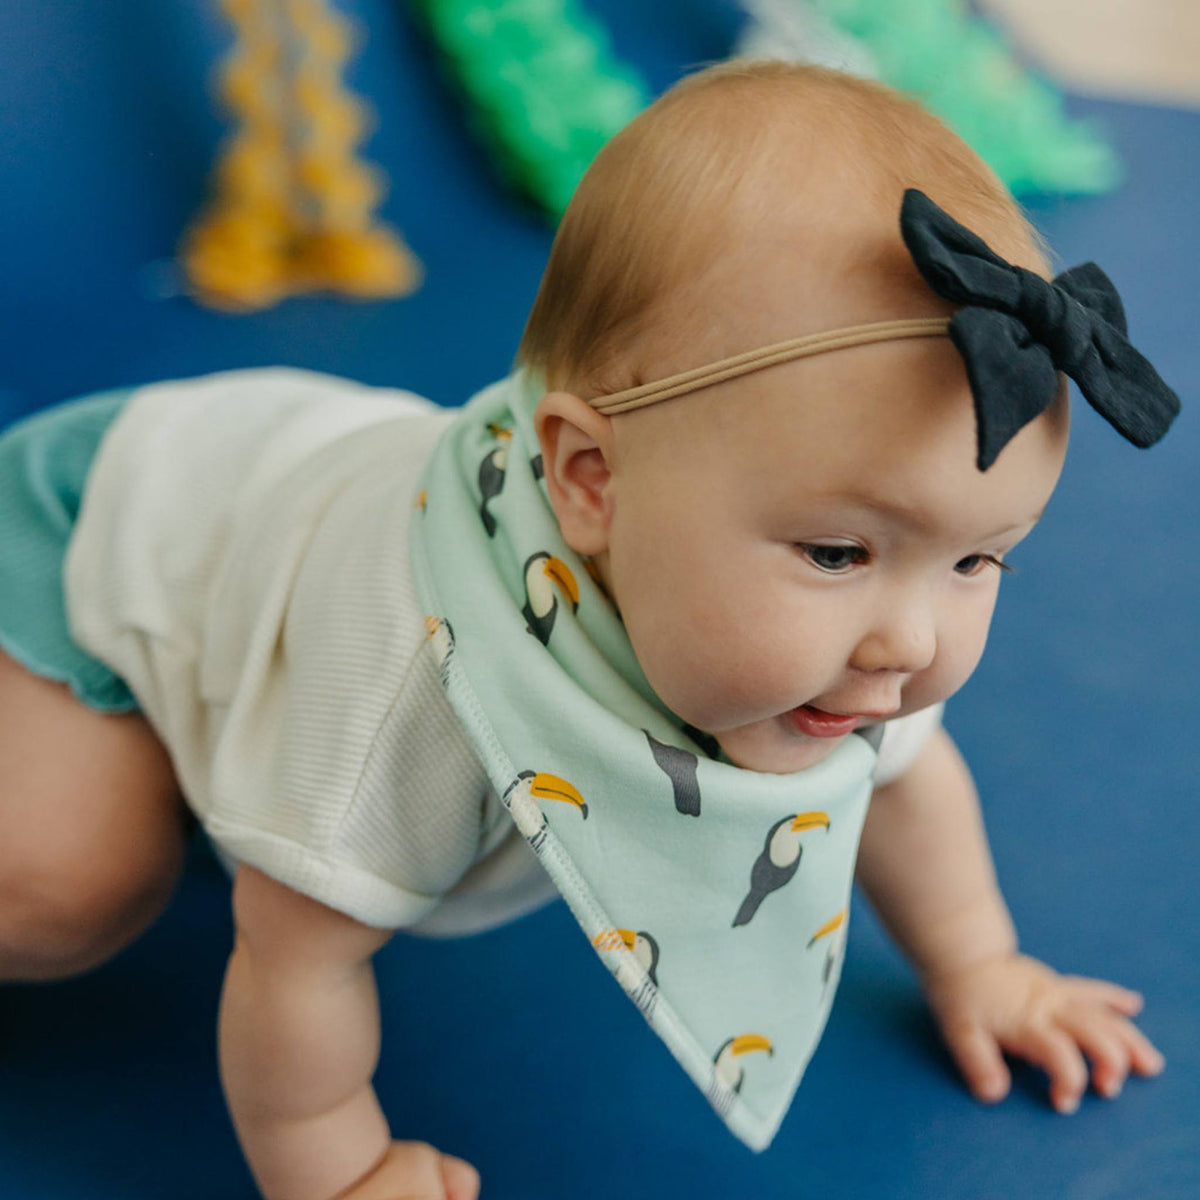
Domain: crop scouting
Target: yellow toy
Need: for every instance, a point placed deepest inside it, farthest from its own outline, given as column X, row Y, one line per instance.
column 293, row 208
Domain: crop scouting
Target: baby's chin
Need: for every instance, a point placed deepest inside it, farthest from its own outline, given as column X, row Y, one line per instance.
column 773, row 748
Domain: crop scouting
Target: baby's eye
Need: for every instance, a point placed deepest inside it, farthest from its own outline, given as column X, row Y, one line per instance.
column 834, row 559
column 974, row 563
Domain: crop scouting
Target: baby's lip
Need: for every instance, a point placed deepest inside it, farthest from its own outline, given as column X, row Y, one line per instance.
column 812, row 721
column 864, row 714
column 816, row 722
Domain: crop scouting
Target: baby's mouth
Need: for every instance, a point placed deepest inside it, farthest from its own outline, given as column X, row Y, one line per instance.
column 816, row 722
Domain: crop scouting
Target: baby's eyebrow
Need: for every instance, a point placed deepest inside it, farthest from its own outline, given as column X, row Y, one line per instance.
column 916, row 518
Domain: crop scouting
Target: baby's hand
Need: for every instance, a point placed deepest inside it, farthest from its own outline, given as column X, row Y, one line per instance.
column 416, row 1171
column 1017, row 1004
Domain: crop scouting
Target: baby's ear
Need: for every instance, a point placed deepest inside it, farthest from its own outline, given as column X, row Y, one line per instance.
column 577, row 449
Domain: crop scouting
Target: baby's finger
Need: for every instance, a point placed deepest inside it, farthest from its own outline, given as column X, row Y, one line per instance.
column 1059, row 1057
column 461, row 1180
column 1144, row 1057
column 979, row 1059
column 1124, row 1000
column 1098, row 1033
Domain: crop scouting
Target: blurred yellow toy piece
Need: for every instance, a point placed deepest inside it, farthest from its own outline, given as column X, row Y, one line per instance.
column 292, row 209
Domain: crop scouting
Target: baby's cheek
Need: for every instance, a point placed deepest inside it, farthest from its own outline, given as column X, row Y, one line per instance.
column 715, row 640
column 697, row 665
column 734, row 680
column 963, row 655
column 947, row 675
column 690, row 675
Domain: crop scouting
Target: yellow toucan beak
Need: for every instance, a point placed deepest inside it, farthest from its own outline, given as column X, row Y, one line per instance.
column 610, row 939
column 750, row 1041
column 810, row 820
column 551, row 787
column 829, row 926
column 559, row 573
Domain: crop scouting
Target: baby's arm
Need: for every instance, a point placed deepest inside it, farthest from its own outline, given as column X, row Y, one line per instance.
column 925, row 864
column 299, row 1042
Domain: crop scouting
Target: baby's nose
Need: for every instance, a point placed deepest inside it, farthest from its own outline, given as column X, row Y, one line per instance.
column 903, row 641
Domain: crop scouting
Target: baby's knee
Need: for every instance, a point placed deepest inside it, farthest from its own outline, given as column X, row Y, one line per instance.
column 64, row 911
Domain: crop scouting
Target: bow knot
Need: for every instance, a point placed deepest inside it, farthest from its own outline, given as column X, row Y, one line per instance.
column 1042, row 309
column 1016, row 331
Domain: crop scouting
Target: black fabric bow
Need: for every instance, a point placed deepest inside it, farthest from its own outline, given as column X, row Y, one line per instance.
column 1017, row 331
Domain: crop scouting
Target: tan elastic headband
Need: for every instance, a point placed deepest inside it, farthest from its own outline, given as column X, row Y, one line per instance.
column 766, row 356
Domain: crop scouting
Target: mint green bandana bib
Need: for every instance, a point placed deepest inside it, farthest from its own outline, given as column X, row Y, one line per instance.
column 716, row 896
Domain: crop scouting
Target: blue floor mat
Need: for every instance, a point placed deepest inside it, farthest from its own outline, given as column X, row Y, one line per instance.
column 513, row 1049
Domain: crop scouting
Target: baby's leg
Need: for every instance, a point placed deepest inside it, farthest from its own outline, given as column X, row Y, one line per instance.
column 91, row 828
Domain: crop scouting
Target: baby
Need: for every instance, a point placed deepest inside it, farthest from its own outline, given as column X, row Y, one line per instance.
column 665, row 635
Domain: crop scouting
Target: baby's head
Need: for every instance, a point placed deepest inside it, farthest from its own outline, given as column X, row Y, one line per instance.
column 812, row 540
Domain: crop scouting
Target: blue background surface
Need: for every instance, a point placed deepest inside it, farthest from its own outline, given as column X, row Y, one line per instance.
column 513, row 1049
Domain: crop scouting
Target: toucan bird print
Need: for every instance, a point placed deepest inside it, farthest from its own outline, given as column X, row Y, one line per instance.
column 834, row 923
column 440, row 635
column 543, row 574
column 641, row 945
column 831, row 926
column 726, row 1065
column 705, row 741
column 637, row 971
column 521, row 799
column 491, row 475
column 779, row 860
column 680, row 768
column 872, row 735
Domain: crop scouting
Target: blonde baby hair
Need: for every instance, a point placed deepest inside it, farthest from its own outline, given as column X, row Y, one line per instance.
column 717, row 153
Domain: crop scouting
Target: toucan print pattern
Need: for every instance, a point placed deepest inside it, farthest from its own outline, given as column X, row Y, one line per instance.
column 834, row 933
column 523, row 799
column 729, row 1067
column 716, row 897
column 779, row 860
column 680, row 768
column 547, row 578
column 441, row 641
column 637, row 970
column 491, row 474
